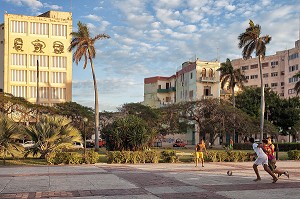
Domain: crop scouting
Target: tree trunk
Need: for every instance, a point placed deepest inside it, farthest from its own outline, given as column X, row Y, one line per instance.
column 233, row 103
column 262, row 100
column 96, row 108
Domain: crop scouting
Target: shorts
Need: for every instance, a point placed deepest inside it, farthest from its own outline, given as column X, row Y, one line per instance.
column 199, row 154
column 261, row 160
column 272, row 164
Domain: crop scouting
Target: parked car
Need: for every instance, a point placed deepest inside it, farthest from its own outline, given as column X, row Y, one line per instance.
column 28, row 144
column 179, row 143
column 77, row 145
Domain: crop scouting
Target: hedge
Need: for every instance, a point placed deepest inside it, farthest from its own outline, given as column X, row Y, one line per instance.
column 281, row 146
column 133, row 157
column 294, row 155
column 91, row 157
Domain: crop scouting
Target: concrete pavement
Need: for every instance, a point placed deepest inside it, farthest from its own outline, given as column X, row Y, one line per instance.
column 147, row 181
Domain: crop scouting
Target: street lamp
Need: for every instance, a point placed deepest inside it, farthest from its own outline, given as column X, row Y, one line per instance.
column 85, row 120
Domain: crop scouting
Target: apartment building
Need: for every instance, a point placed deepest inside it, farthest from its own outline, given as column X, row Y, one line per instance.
column 278, row 71
column 30, row 41
column 195, row 80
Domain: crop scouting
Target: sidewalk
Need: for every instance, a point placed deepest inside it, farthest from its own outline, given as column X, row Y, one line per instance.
column 147, row 181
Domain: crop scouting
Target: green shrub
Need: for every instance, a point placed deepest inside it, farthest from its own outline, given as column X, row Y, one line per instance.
column 211, row 156
column 92, row 157
column 132, row 157
column 169, row 156
column 65, row 158
column 151, row 156
column 294, row 155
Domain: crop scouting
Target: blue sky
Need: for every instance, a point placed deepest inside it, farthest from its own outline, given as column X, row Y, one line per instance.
column 154, row 37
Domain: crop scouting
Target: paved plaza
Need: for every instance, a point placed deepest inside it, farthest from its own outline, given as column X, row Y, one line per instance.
column 147, row 181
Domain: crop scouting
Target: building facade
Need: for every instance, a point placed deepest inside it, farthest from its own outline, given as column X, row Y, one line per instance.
column 37, row 43
column 194, row 81
column 278, row 71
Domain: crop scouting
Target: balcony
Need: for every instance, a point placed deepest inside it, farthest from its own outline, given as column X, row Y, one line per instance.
column 167, row 90
column 208, row 79
column 208, row 96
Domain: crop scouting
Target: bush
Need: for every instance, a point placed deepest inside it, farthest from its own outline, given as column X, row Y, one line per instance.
column 294, row 155
column 281, row 146
column 169, row 156
column 92, row 157
column 132, row 157
column 65, row 158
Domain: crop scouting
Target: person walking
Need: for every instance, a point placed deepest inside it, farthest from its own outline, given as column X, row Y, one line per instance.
column 200, row 147
column 262, row 159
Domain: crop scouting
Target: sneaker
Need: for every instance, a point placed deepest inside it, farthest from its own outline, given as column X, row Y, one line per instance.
column 286, row 173
column 279, row 175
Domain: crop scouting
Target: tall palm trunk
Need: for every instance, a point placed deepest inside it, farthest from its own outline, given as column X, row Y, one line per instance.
column 96, row 108
column 262, row 100
column 233, row 103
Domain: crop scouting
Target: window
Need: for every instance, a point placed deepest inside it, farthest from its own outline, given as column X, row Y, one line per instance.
column 39, row 28
column 265, row 75
column 59, row 30
column 203, row 72
column 191, row 94
column 59, row 62
column 18, row 59
column 254, row 66
column 282, row 84
column 266, row 85
column 43, row 60
column 274, row 74
column 211, row 73
column 294, row 56
column 18, row 76
column 265, row 64
column 293, row 79
column 159, row 86
column 43, row 77
column 274, row 63
column 191, row 75
column 293, row 68
column 18, row 26
column 58, row 93
column 247, row 77
column 19, row 91
column 253, row 76
column 43, row 92
column 282, row 73
column 274, row 84
column 245, row 67
column 291, row 91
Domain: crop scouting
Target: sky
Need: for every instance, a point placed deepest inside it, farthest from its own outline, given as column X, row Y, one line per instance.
column 154, row 37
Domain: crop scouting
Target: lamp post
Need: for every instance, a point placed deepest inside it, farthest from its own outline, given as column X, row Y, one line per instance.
column 85, row 120
column 289, row 133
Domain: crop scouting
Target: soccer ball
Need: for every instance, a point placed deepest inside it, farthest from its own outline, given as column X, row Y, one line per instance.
column 229, row 173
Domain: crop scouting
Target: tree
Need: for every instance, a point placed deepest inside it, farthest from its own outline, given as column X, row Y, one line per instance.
column 232, row 77
column 251, row 41
column 297, row 85
column 126, row 133
column 84, row 45
column 9, row 136
column 51, row 133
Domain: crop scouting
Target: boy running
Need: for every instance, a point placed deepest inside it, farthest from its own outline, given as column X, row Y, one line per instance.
column 262, row 159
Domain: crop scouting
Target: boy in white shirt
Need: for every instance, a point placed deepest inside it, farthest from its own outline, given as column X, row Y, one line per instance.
column 262, row 159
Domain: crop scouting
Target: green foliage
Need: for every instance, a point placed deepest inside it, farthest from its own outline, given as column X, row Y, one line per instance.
column 294, row 155
column 51, row 134
column 127, row 133
column 227, row 156
column 132, row 157
column 65, row 158
column 288, row 146
column 169, row 156
column 91, row 157
column 10, row 132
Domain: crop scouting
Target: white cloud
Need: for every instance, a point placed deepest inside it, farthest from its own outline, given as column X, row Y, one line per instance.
column 168, row 17
column 168, row 4
column 93, row 17
column 53, row 7
column 33, row 4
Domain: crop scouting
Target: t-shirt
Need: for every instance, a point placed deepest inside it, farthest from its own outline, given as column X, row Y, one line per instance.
column 259, row 152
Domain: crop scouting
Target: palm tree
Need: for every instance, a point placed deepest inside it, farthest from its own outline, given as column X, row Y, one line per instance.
column 297, row 85
column 84, row 45
column 234, row 77
column 251, row 41
column 50, row 134
column 10, row 133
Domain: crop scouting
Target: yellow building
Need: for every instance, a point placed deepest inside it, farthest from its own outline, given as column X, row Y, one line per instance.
column 28, row 41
